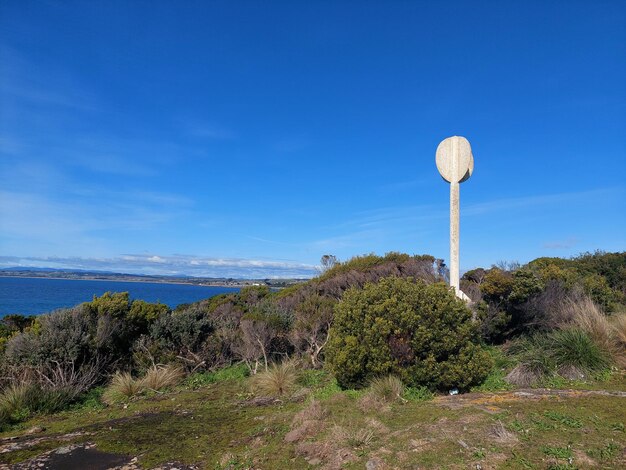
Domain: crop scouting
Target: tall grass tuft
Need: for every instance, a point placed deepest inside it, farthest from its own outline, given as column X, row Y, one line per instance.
column 122, row 388
column 588, row 317
column 20, row 401
column 160, row 377
column 570, row 352
column 15, row 401
column 387, row 389
column 277, row 381
column 619, row 334
column 534, row 355
column 574, row 347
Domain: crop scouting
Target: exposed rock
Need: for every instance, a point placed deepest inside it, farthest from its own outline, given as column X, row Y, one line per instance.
column 374, row 464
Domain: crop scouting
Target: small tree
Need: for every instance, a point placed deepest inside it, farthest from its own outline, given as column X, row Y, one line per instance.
column 256, row 335
column 261, row 329
column 327, row 262
column 421, row 333
column 313, row 317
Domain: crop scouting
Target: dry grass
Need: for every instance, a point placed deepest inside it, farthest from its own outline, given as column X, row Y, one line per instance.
column 279, row 380
column 619, row 328
column 523, row 376
column 376, row 426
column 619, row 335
column 368, row 403
column 352, row 437
column 313, row 412
column 501, row 434
column 160, row 377
column 307, row 422
column 14, row 397
column 387, row 389
column 608, row 334
column 122, row 388
column 587, row 316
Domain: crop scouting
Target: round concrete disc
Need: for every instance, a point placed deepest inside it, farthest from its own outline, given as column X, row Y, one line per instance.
column 455, row 148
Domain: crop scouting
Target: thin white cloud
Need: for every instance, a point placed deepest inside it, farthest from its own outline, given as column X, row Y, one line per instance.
column 393, row 216
column 206, row 130
column 377, row 225
column 60, row 225
column 562, row 244
column 30, row 83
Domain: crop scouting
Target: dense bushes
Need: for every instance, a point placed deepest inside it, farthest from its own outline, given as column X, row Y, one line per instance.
column 514, row 300
column 365, row 319
column 421, row 333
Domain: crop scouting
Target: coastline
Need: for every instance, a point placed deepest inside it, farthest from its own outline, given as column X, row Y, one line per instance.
column 142, row 281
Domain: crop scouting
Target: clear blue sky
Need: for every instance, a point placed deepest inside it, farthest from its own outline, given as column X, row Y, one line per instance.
column 250, row 138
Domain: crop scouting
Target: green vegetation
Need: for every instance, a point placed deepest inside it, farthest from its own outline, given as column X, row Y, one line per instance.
column 337, row 370
column 220, row 424
column 421, row 333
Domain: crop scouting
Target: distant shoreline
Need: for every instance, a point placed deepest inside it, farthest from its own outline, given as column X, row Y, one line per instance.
column 146, row 281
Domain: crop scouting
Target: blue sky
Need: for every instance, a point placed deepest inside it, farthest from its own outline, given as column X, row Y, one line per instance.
column 248, row 138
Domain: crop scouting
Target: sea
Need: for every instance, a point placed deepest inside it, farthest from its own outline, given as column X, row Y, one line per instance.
column 34, row 296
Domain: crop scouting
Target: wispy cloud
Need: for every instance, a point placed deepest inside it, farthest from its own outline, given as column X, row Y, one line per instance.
column 29, row 83
column 526, row 202
column 562, row 244
column 79, row 222
column 367, row 228
column 188, row 265
column 391, row 216
column 206, row 130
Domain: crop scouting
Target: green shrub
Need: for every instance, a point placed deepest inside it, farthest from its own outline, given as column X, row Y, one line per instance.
column 417, row 394
column 235, row 372
column 493, row 322
column 328, row 390
column 185, row 334
column 421, row 333
column 311, row 377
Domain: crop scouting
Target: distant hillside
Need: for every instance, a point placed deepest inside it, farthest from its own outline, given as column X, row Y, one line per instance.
column 59, row 273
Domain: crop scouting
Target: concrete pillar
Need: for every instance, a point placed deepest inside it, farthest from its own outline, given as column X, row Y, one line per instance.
column 454, row 236
column 455, row 163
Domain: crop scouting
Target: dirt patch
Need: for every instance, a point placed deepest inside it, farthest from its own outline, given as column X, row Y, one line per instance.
column 583, row 459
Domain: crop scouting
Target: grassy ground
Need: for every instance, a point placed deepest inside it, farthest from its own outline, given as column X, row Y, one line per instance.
column 214, row 421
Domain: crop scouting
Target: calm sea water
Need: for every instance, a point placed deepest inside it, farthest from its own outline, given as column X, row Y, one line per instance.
column 34, row 296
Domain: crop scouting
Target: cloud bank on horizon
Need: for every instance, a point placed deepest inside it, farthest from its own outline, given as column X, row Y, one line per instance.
column 177, row 265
